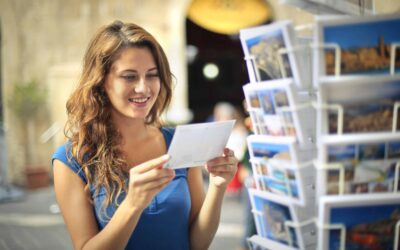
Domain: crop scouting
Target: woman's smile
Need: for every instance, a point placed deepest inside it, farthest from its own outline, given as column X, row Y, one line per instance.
column 139, row 102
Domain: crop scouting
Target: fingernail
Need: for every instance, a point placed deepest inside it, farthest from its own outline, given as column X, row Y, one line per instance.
column 165, row 157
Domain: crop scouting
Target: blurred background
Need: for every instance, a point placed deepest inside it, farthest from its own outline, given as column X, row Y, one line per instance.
column 41, row 48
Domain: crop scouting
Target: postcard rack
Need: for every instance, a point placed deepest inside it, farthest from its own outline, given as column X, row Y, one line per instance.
column 308, row 87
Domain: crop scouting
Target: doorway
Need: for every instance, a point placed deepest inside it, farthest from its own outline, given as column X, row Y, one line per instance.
column 216, row 70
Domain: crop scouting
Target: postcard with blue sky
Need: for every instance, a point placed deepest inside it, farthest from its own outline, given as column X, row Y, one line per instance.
column 394, row 150
column 272, row 222
column 365, row 44
column 267, row 150
column 262, row 44
column 369, row 221
column 368, row 163
column 367, row 227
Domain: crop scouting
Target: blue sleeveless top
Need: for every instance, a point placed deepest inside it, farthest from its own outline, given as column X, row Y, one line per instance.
column 164, row 224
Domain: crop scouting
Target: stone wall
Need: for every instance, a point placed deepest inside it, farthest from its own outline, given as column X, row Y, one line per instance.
column 45, row 40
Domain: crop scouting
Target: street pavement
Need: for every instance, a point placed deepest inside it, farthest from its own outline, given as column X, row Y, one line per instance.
column 34, row 223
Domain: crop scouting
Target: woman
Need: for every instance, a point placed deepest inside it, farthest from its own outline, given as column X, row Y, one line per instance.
column 109, row 179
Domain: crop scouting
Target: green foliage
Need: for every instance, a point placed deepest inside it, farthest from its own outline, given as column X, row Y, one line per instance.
column 27, row 99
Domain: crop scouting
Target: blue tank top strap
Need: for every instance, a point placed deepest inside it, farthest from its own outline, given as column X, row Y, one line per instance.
column 64, row 154
column 168, row 133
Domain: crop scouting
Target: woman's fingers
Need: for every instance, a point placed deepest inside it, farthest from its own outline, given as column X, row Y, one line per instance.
column 229, row 152
column 226, row 168
column 149, row 165
column 156, row 184
column 224, row 164
column 152, row 175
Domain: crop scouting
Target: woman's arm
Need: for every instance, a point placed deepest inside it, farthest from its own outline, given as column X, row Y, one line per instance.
column 206, row 211
column 78, row 214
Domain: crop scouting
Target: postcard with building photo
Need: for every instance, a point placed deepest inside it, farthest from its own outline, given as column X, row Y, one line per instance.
column 368, row 164
column 262, row 44
column 368, row 222
column 271, row 104
column 270, row 215
column 365, row 44
column 368, row 105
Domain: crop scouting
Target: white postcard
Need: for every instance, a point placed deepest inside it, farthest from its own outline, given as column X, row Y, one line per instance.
column 194, row 144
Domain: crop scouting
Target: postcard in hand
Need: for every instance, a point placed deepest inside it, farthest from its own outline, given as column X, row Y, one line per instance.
column 358, row 222
column 270, row 107
column 366, row 45
column 262, row 43
column 273, row 216
column 368, row 164
column 194, row 144
column 359, row 105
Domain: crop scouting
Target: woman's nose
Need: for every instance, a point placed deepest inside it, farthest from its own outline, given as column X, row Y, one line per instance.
column 141, row 86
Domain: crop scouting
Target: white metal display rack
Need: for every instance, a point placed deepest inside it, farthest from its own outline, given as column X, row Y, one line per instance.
column 257, row 241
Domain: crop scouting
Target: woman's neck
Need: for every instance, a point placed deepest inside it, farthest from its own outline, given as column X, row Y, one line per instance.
column 130, row 129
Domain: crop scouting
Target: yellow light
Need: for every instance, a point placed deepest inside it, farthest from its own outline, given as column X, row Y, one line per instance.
column 228, row 16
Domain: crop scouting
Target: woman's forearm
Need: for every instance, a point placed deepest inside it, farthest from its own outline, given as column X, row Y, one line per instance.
column 204, row 227
column 118, row 230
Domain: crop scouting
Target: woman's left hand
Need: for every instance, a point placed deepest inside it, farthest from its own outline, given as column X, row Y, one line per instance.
column 222, row 169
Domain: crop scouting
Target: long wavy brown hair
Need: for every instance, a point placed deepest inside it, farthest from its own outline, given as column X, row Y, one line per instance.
column 94, row 140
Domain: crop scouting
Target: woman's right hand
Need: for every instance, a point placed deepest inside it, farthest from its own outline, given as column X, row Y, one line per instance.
column 146, row 180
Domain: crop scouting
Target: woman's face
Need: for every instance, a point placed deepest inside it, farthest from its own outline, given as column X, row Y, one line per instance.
column 133, row 83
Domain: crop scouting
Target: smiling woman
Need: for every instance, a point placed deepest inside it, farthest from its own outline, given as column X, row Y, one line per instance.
column 111, row 168
column 133, row 83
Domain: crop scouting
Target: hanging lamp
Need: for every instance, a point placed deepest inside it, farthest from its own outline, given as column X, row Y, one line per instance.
column 228, row 16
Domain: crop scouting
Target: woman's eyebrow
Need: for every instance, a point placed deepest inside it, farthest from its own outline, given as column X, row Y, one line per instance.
column 153, row 69
column 128, row 71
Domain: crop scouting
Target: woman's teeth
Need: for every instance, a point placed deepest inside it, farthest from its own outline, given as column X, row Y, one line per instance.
column 138, row 100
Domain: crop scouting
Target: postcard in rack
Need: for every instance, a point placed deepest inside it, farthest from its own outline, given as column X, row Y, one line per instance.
column 358, row 222
column 263, row 44
column 290, row 181
column 194, row 144
column 366, row 45
column 273, row 216
column 275, row 168
column 359, row 105
column 358, row 164
column 257, row 242
column 272, row 108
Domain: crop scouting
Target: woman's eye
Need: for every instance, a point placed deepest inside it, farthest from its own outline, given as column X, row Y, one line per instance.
column 129, row 77
column 153, row 76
